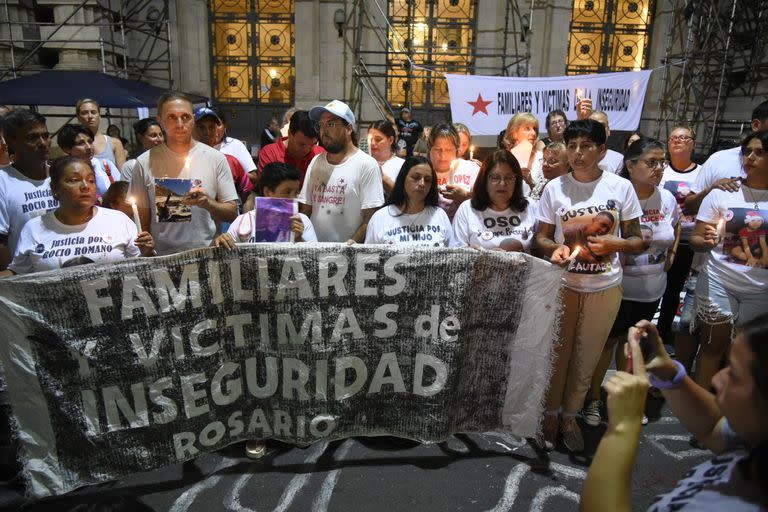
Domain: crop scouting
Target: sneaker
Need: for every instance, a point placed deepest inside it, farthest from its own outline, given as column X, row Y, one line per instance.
column 572, row 438
column 255, row 449
column 591, row 413
column 546, row 439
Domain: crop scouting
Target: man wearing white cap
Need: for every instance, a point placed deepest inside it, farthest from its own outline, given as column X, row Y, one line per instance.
column 342, row 188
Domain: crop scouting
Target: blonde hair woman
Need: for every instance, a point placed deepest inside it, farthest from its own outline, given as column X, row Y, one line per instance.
column 522, row 127
column 88, row 114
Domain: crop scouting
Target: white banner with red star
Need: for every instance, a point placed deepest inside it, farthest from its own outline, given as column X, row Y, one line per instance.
column 486, row 103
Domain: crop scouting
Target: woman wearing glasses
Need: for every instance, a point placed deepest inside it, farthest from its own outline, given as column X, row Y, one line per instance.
column 498, row 216
column 732, row 228
column 645, row 276
column 679, row 176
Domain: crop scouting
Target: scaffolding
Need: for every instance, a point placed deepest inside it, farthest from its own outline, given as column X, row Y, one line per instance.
column 380, row 55
column 128, row 38
column 716, row 51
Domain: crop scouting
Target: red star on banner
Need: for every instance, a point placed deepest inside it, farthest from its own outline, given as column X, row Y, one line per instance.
column 479, row 105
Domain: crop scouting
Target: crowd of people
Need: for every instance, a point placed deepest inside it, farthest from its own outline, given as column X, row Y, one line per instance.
column 631, row 230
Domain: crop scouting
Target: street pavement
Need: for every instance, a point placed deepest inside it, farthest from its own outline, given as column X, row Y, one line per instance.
column 473, row 472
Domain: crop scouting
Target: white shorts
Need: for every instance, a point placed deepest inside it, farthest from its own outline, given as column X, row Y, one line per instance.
column 717, row 305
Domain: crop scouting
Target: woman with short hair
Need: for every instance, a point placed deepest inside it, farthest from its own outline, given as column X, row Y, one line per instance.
column 455, row 176
column 498, row 216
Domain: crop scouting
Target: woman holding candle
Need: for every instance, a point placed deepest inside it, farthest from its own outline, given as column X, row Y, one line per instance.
column 732, row 285
column 381, row 144
column 645, row 277
column 78, row 231
column 498, row 216
column 455, row 176
column 597, row 213
column 411, row 214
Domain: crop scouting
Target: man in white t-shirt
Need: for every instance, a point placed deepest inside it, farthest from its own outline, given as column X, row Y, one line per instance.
column 188, row 219
column 25, row 189
column 723, row 169
column 613, row 161
column 342, row 187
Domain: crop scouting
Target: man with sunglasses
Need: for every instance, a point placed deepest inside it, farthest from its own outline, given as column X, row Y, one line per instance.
column 723, row 170
column 25, row 189
column 342, row 187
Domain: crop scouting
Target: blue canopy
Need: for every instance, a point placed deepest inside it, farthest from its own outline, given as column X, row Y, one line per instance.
column 64, row 88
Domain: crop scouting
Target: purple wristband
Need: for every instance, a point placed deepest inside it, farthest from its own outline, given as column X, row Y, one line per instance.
column 669, row 384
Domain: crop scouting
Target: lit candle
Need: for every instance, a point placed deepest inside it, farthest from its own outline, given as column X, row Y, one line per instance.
column 575, row 252
column 136, row 218
column 370, row 150
column 573, row 255
column 187, row 161
column 471, row 152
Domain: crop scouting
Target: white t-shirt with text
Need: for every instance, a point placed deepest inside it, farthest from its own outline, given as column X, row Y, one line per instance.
column 47, row 244
column 21, row 199
column 339, row 193
column 579, row 210
column 462, row 175
column 208, row 169
column 491, row 229
column 644, row 277
column 680, row 185
column 428, row 227
column 743, row 240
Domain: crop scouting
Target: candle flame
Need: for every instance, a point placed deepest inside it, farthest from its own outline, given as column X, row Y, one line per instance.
column 576, row 252
column 132, row 200
column 471, row 148
column 186, row 162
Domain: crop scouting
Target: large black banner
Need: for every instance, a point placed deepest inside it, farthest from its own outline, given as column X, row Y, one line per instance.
column 115, row 369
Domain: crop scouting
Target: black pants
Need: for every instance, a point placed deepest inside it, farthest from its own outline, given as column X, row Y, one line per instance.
column 676, row 277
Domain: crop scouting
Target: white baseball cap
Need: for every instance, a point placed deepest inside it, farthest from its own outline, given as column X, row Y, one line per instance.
column 337, row 108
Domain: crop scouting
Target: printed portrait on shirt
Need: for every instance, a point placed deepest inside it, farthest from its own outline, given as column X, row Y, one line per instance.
column 652, row 255
column 169, row 200
column 681, row 190
column 579, row 224
column 745, row 241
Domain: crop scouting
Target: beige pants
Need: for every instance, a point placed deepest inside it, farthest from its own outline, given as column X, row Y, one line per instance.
column 584, row 327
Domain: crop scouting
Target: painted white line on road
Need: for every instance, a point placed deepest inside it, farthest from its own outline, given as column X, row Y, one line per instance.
column 299, row 481
column 656, row 440
column 539, row 501
column 320, row 504
column 511, row 489
column 188, row 497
